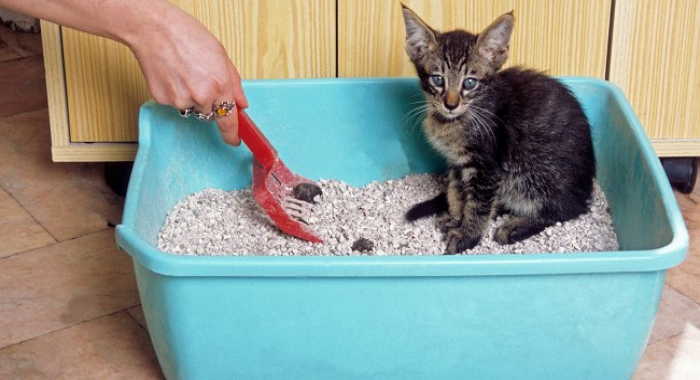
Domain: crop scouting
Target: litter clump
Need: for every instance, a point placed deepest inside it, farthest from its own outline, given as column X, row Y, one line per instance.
column 307, row 192
column 365, row 220
column 362, row 245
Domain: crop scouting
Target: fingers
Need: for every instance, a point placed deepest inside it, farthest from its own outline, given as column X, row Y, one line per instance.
column 233, row 92
column 174, row 96
column 228, row 126
column 207, row 97
column 237, row 89
column 206, row 101
column 203, row 88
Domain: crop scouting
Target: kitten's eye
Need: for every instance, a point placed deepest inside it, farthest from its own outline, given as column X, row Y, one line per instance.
column 437, row 80
column 470, row 83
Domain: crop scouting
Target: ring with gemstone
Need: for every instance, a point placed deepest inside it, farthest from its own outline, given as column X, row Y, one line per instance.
column 191, row 112
column 223, row 109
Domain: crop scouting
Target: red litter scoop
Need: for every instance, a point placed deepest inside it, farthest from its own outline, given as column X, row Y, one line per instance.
column 285, row 196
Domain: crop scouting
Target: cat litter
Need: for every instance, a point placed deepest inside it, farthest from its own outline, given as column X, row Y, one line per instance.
column 358, row 221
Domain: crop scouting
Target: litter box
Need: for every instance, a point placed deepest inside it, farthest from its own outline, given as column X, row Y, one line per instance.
column 538, row 316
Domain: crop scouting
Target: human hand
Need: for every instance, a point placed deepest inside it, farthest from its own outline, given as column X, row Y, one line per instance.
column 186, row 66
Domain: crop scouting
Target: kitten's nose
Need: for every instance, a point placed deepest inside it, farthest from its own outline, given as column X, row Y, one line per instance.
column 451, row 107
column 451, row 100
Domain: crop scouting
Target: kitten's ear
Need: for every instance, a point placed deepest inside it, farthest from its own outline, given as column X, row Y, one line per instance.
column 492, row 44
column 420, row 38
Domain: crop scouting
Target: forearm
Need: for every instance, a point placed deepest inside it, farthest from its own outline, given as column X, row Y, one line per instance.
column 121, row 20
column 184, row 64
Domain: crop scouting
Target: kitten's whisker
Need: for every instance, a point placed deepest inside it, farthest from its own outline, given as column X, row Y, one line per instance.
column 488, row 113
column 487, row 123
column 484, row 125
column 417, row 109
column 411, row 112
column 415, row 115
column 475, row 122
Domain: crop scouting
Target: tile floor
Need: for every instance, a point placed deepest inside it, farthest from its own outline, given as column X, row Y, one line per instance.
column 69, row 308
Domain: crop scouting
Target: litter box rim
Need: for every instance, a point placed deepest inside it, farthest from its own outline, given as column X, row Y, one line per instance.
column 169, row 264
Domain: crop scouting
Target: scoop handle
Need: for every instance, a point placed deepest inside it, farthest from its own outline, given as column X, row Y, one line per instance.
column 262, row 150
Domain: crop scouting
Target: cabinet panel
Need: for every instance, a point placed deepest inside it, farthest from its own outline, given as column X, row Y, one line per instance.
column 273, row 38
column 562, row 37
column 104, row 88
column 655, row 59
column 265, row 39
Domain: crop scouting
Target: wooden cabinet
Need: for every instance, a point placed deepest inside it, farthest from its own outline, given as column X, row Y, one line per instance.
column 561, row 37
column 649, row 48
column 655, row 59
column 96, row 86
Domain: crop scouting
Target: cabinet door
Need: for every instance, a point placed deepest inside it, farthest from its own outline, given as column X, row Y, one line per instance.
column 264, row 38
column 561, row 37
column 655, row 59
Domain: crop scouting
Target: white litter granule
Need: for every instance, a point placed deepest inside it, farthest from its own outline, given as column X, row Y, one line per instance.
column 217, row 222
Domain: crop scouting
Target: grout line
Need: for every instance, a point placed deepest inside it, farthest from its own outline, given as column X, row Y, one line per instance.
column 55, row 243
column 29, row 79
column 134, row 318
column 27, row 251
column 18, row 58
column 697, row 303
column 107, row 227
column 686, row 196
column 68, row 327
column 21, row 49
column 30, row 214
column 663, row 340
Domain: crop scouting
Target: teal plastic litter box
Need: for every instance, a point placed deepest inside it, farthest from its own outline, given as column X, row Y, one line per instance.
column 538, row 316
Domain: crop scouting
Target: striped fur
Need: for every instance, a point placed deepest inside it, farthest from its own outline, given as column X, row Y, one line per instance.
column 516, row 141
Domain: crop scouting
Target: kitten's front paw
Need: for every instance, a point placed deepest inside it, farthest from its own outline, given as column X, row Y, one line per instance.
column 502, row 235
column 458, row 241
column 446, row 222
column 499, row 211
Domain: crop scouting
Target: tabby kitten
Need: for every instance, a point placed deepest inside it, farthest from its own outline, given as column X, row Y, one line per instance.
column 516, row 141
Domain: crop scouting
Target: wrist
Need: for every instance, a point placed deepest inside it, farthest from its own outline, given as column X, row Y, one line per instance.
column 149, row 22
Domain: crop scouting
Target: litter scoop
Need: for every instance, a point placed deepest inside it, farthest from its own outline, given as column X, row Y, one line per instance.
column 284, row 196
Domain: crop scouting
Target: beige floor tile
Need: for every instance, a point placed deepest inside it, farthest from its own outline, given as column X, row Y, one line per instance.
column 57, row 286
column 686, row 277
column 15, row 45
column 686, row 283
column 136, row 312
column 22, row 86
column 68, row 199
column 675, row 312
column 18, row 230
column 676, row 358
column 7, row 53
column 111, row 347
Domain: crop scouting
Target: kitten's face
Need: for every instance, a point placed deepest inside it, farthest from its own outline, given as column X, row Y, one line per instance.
column 454, row 67
column 448, row 75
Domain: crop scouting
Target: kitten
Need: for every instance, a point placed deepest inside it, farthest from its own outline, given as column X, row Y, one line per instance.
column 516, row 141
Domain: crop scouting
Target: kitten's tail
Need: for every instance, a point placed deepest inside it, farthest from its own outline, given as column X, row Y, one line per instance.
column 430, row 207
